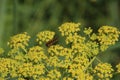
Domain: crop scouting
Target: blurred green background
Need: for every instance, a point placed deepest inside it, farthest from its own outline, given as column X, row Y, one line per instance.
column 33, row 16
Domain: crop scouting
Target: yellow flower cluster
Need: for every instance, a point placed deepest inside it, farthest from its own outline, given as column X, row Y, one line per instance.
column 60, row 56
column 58, row 50
column 67, row 29
column 53, row 61
column 82, row 61
column 88, row 77
column 88, row 31
column 89, row 48
column 73, row 61
column 21, row 78
column 103, row 71
column 118, row 68
column 36, row 54
column 44, row 78
column 108, row 35
column 28, row 70
column 74, row 39
column 54, row 74
column 13, row 52
column 19, row 41
column 92, row 49
column 8, row 67
column 93, row 37
column 77, row 43
column 78, row 73
column 45, row 36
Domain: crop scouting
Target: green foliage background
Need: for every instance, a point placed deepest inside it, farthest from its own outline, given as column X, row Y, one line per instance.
column 33, row 16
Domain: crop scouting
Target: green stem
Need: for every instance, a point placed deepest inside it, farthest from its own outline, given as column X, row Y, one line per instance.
column 90, row 63
column 98, row 60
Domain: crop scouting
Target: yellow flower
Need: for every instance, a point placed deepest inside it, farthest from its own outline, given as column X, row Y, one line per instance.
column 73, row 61
column 54, row 74
column 74, row 39
column 108, row 35
column 36, row 54
column 1, row 78
column 103, row 71
column 45, row 36
column 57, row 50
column 43, row 78
column 21, row 79
column 53, row 61
column 92, row 48
column 88, row 77
column 19, row 41
column 93, row 37
column 88, row 31
column 8, row 66
column 30, row 70
column 118, row 67
column 67, row 78
column 76, row 70
column 69, row 28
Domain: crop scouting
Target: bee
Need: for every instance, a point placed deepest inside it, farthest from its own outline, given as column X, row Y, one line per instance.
column 52, row 42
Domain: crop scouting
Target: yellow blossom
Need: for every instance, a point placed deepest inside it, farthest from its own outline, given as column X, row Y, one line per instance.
column 21, row 79
column 19, row 41
column 58, row 50
column 44, row 78
column 1, row 78
column 76, row 71
column 69, row 28
column 30, row 70
column 73, row 61
column 36, row 54
column 93, row 37
column 88, row 77
column 67, row 78
column 88, row 31
column 74, row 39
column 54, row 74
column 53, row 61
column 118, row 67
column 81, row 61
column 92, row 48
column 45, row 36
column 108, row 35
column 103, row 70
column 8, row 66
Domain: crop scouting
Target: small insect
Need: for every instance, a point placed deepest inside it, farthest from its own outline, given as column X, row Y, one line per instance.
column 52, row 42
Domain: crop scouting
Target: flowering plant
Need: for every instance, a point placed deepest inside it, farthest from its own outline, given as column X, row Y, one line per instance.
column 57, row 62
